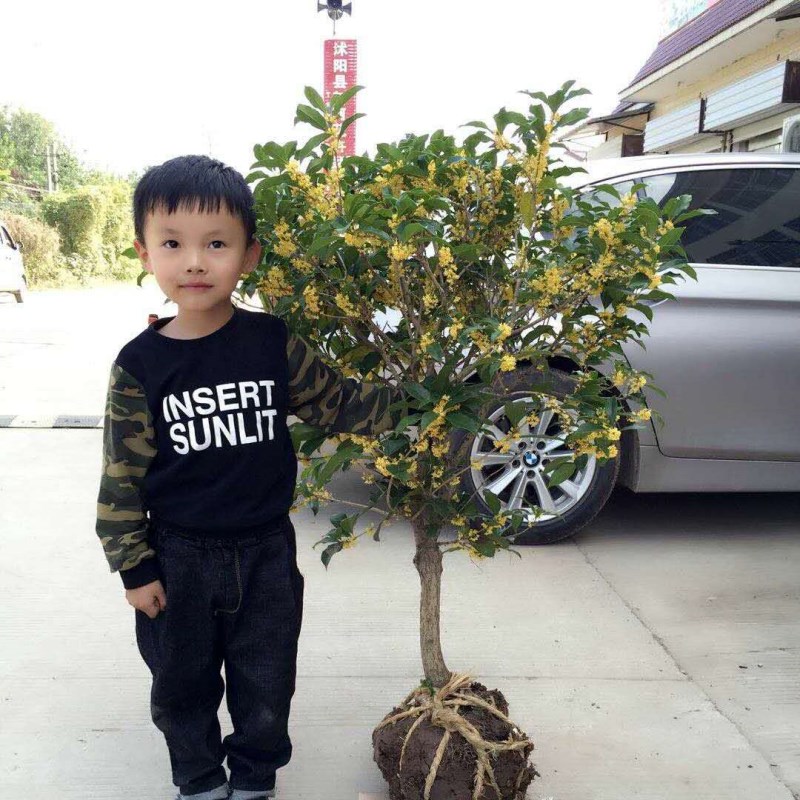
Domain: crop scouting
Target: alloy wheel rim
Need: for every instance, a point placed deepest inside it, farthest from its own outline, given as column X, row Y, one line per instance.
column 517, row 477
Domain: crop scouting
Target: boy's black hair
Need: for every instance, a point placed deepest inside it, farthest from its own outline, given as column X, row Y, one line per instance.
column 189, row 181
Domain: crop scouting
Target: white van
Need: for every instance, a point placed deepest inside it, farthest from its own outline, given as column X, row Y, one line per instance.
column 12, row 271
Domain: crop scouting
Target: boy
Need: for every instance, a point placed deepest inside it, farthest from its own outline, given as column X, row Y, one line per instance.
column 195, row 434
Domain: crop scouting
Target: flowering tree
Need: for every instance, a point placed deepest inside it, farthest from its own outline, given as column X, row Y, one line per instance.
column 453, row 273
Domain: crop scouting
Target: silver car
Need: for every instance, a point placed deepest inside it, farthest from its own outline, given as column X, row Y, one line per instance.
column 726, row 351
column 12, row 271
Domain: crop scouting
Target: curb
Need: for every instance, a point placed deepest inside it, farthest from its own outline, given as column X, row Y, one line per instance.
column 59, row 421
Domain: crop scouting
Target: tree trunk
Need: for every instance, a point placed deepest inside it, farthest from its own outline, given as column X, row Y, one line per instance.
column 428, row 561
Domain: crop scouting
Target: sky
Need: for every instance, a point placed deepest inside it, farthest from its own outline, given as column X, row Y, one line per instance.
column 130, row 85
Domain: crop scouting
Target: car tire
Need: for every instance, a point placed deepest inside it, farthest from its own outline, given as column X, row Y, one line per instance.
column 595, row 488
column 22, row 293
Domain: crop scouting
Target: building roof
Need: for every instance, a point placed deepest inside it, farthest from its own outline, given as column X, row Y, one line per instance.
column 623, row 111
column 721, row 16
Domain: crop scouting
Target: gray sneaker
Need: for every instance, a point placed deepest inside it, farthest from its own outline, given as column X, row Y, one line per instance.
column 246, row 794
column 220, row 793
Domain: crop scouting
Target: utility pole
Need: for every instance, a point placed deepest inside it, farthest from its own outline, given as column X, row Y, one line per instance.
column 49, row 169
column 51, row 159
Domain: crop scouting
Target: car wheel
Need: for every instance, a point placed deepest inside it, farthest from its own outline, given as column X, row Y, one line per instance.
column 22, row 293
column 517, row 478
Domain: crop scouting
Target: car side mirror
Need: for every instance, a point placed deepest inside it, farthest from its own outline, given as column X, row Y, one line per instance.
column 20, row 246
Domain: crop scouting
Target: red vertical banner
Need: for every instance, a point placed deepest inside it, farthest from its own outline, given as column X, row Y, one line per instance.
column 341, row 72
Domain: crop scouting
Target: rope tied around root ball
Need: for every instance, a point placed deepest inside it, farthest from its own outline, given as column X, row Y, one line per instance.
column 442, row 710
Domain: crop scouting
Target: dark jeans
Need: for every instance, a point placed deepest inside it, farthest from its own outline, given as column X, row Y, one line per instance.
column 237, row 602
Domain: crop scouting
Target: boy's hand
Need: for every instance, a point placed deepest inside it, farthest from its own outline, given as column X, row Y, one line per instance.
column 149, row 598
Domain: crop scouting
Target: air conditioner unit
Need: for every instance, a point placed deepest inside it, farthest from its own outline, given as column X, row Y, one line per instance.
column 790, row 142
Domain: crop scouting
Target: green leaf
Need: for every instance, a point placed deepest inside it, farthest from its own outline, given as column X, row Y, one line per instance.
column 405, row 230
column 526, row 208
column 463, row 422
column 311, row 145
column 313, row 97
column 310, row 116
column 329, row 552
column 427, row 418
column 419, row 393
column 411, row 419
column 515, row 412
column 492, row 500
column 394, row 445
column 334, row 463
column 560, row 474
column 339, row 100
column 349, row 121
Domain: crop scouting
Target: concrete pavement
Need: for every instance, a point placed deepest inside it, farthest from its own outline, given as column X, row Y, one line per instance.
column 622, row 654
column 654, row 657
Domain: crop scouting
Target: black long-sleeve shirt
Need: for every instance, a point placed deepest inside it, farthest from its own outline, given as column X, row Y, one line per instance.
column 196, row 434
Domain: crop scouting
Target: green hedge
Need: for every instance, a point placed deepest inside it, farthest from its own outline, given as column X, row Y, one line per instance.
column 95, row 225
column 44, row 263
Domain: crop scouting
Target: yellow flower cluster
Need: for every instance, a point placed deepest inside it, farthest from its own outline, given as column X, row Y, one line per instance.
column 448, row 266
column 468, row 536
column 560, row 207
column 298, row 176
column 311, row 296
column 348, row 541
column 638, row 383
column 285, row 246
column 275, row 283
column 323, row 198
column 548, row 284
column 642, row 415
column 400, row 252
column 362, row 241
column 343, row 302
column 500, row 141
column 595, row 444
column 508, row 363
column 429, row 298
column 482, row 340
column 605, row 230
column 628, row 202
column 455, row 328
column 503, row 331
column 302, row 265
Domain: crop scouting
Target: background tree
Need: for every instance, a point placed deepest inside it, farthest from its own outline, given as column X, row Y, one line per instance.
column 448, row 270
column 24, row 139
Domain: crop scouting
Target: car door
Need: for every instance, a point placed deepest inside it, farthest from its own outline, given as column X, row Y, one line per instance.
column 726, row 350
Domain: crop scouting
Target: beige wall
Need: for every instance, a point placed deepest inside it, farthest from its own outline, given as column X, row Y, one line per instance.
column 785, row 48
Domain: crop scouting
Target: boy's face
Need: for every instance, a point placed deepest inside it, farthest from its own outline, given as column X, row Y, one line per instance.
column 197, row 258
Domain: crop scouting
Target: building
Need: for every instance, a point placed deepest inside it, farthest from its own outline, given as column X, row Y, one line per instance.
column 727, row 79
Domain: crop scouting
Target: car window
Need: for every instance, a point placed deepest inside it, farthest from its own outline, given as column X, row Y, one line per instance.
column 5, row 237
column 757, row 220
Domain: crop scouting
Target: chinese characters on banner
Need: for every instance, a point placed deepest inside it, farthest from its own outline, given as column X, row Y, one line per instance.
column 341, row 67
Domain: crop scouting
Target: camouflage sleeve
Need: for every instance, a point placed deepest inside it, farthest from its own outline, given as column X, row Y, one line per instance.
column 128, row 449
column 321, row 396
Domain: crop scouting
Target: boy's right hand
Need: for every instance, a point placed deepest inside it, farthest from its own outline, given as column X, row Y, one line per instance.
column 150, row 598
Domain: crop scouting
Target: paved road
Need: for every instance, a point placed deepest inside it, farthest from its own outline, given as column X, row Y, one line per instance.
column 656, row 656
